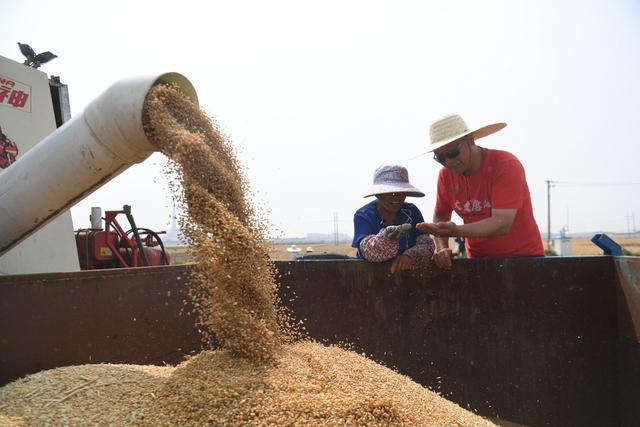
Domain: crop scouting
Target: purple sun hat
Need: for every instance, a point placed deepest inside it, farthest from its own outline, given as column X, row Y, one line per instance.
column 392, row 179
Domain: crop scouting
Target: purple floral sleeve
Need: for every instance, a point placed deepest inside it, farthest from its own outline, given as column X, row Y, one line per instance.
column 377, row 248
column 422, row 252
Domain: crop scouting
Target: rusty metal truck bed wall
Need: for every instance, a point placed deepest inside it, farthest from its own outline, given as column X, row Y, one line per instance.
column 102, row 316
column 628, row 351
column 533, row 341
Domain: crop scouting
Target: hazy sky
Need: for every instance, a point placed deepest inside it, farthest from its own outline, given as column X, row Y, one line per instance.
column 316, row 95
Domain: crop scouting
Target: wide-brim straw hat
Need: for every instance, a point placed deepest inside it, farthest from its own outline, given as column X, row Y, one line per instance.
column 392, row 179
column 451, row 127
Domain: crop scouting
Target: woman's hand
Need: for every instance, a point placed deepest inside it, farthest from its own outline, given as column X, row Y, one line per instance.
column 402, row 262
column 397, row 232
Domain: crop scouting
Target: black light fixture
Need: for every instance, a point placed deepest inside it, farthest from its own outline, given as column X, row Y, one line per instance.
column 33, row 60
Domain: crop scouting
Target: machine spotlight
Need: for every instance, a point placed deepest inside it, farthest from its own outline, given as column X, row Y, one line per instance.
column 33, row 60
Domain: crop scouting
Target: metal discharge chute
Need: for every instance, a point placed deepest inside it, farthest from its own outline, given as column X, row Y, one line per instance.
column 79, row 157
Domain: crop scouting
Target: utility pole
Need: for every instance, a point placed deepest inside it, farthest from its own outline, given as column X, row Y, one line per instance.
column 336, row 238
column 628, row 224
column 549, row 185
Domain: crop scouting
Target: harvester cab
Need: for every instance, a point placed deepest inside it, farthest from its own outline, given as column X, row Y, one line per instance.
column 113, row 247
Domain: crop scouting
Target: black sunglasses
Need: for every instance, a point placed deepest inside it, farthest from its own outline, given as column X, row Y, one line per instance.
column 451, row 154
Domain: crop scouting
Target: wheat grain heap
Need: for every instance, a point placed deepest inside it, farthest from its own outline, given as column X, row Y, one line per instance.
column 259, row 376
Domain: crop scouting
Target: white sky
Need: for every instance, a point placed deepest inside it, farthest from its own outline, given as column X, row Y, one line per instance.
column 316, row 95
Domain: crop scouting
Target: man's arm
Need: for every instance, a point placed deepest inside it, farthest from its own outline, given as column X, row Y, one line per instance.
column 498, row 224
column 441, row 242
column 441, row 215
column 442, row 254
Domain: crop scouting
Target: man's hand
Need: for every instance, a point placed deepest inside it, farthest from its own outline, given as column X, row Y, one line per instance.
column 396, row 232
column 439, row 229
column 402, row 262
column 442, row 258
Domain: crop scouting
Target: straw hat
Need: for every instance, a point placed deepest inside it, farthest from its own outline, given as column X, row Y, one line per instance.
column 452, row 127
column 392, row 179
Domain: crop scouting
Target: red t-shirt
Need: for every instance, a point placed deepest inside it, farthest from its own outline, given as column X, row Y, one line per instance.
column 500, row 183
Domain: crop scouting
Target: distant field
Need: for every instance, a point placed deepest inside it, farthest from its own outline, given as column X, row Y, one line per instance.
column 581, row 247
column 276, row 252
column 280, row 251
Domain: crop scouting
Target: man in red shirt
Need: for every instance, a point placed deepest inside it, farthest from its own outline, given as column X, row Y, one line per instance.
column 487, row 189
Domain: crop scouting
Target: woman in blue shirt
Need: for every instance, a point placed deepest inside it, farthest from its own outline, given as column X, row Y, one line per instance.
column 384, row 228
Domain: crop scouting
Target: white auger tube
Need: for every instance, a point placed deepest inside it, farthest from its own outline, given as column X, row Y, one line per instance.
column 79, row 157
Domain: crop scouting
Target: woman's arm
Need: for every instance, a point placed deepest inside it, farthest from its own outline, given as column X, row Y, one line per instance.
column 422, row 252
column 377, row 248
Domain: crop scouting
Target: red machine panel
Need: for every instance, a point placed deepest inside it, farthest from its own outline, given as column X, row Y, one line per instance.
column 93, row 249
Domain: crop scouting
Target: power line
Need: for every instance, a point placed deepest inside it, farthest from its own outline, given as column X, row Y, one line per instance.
column 593, row 184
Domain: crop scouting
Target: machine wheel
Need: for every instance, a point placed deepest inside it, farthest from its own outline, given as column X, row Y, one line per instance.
column 150, row 238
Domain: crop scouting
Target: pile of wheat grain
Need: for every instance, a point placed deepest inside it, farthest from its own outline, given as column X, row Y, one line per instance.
column 303, row 384
column 82, row 395
column 307, row 384
column 258, row 377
